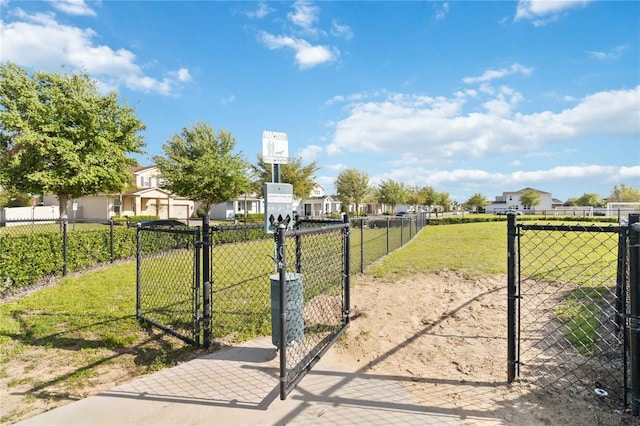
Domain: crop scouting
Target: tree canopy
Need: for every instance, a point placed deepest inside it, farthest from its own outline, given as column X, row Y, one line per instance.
column 59, row 135
column 590, row 199
column 200, row 165
column 391, row 192
column 352, row 186
column 477, row 201
column 530, row 198
column 624, row 194
column 301, row 177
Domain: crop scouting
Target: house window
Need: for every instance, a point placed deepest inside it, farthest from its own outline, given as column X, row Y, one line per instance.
column 145, row 181
column 116, row 206
column 161, row 182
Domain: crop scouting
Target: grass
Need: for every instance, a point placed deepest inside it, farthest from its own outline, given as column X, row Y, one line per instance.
column 54, row 342
column 472, row 249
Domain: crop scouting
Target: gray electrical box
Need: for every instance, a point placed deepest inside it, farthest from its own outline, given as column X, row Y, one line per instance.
column 278, row 206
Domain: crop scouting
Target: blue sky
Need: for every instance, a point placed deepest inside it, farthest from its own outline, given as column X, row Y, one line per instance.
column 463, row 96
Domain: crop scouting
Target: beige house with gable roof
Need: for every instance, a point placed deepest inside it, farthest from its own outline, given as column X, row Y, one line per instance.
column 146, row 198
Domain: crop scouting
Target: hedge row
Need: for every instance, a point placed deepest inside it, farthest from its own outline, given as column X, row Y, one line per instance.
column 27, row 258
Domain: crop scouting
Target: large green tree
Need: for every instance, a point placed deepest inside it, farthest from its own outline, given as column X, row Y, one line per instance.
column 200, row 164
column 59, row 135
column 530, row 198
column 392, row 193
column 301, row 177
column 590, row 199
column 476, row 201
column 352, row 186
column 624, row 194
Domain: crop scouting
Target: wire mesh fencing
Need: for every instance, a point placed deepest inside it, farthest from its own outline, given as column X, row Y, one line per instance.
column 228, row 281
column 572, row 308
column 168, row 273
column 310, row 297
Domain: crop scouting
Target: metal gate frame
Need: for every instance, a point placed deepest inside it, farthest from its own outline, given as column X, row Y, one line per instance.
column 627, row 316
column 305, row 358
column 150, row 312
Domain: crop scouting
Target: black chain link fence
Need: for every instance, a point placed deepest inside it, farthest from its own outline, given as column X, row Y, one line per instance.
column 312, row 287
column 570, row 302
column 167, row 280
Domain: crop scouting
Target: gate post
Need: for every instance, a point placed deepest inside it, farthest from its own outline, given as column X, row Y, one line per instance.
column 206, row 280
column 282, row 270
column 347, row 269
column 138, row 272
column 634, row 311
column 511, row 297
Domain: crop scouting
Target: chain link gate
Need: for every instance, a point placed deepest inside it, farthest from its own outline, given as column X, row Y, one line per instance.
column 168, row 280
column 214, row 284
column 570, row 316
column 312, row 302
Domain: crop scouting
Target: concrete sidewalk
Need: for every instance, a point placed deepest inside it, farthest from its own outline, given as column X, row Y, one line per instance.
column 240, row 386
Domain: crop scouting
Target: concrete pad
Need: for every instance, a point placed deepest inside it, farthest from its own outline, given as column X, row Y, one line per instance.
column 240, row 386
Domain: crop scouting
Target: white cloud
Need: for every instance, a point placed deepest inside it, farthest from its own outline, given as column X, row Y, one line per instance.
column 310, row 153
column 261, row 11
column 515, row 163
column 612, row 54
column 490, row 75
column 338, row 167
column 228, row 100
column 442, row 11
column 339, row 30
column 306, row 54
column 73, row 7
column 304, row 15
column 39, row 41
column 477, row 178
column 541, row 12
column 437, row 128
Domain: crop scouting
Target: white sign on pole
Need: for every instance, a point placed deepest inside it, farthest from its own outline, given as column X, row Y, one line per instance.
column 275, row 147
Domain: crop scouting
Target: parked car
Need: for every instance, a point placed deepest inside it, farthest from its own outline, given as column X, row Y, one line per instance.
column 402, row 214
column 512, row 211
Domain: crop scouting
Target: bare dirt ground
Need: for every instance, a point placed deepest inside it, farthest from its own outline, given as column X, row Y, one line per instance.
column 441, row 336
column 444, row 338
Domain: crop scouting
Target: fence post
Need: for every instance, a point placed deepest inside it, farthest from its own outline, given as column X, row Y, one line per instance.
column 65, row 228
column 634, row 311
column 621, row 279
column 511, row 297
column 206, row 280
column 347, row 270
column 387, row 234
column 361, row 245
column 111, row 240
column 298, row 246
column 401, row 231
column 282, row 270
column 138, row 272
column 196, row 284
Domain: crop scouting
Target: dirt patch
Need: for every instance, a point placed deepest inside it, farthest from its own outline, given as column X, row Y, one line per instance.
column 444, row 338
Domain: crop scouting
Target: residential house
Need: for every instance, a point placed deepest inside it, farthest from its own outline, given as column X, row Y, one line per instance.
column 511, row 200
column 147, row 197
column 245, row 203
column 318, row 204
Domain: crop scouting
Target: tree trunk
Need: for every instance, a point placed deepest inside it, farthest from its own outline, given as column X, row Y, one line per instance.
column 63, row 200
